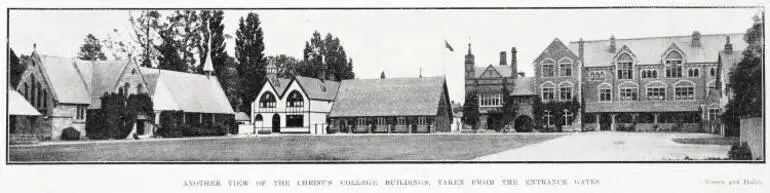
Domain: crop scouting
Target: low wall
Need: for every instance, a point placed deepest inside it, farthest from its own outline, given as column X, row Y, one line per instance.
column 752, row 132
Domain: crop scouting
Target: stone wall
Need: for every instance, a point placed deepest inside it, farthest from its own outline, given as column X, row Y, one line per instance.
column 752, row 132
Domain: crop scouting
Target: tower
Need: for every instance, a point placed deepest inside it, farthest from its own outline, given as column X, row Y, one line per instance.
column 469, row 63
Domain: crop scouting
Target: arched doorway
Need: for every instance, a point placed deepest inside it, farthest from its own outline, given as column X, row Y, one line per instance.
column 523, row 124
column 276, row 123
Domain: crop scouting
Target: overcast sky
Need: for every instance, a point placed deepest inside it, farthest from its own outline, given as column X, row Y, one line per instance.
column 400, row 42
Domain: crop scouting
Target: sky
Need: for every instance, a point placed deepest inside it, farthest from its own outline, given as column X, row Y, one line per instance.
column 401, row 42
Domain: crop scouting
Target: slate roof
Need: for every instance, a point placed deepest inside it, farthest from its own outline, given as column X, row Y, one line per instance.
column 318, row 89
column 17, row 105
column 504, row 70
column 523, row 86
column 673, row 106
column 189, row 92
column 650, row 50
column 104, row 77
column 280, row 84
column 151, row 79
column 728, row 60
column 67, row 83
column 389, row 97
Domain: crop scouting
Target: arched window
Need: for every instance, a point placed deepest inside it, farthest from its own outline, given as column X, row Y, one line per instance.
column 139, row 88
column 548, row 68
column 693, row 72
column 295, row 100
column 565, row 67
column 656, row 90
column 628, row 91
column 712, row 71
column 605, row 92
column 565, row 91
column 126, row 88
column 650, row 73
column 625, row 65
column 684, row 90
column 267, row 100
column 258, row 118
column 674, row 65
column 548, row 91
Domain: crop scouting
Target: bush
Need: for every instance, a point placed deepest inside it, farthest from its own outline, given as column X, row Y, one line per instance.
column 168, row 132
column 70, row 134
column 740, row 152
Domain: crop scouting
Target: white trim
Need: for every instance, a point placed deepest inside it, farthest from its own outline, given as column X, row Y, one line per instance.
column 628, row 82
column 566, row 84
column 668, row 52
column 676, row 84
column 543, row 85
column 555, row 68
column 599, row 91
column 571, row 63
column 655, row 81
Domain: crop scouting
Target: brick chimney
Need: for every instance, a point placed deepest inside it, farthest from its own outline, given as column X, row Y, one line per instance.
column 613, row 47
column 696, row 39
column 728, row 46
column 503, row 58
column 581, row 48
column 514, row 63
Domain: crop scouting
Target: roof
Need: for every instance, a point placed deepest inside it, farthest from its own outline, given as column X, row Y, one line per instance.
column 17, row 105
column 677, row 106
column 104, row 77
column 65, row 79
column 280, row 84
column 504, row 70
column 189, row 92
column 241, row 116
column 523, row 86
column 728, row 60
column 318, row 89
column 152, row 80
column 389, row 97
column 650, row 50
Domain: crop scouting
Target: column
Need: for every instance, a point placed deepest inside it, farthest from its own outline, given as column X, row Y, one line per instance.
column 655, row 117
column 634, row 119
column 612, row 124
column 598, row 124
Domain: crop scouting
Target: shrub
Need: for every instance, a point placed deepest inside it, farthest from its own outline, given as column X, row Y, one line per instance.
column 168, row 132
column 70, row 134
column 740, row 152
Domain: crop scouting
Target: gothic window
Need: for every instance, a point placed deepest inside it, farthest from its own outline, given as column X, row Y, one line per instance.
column 295, row 100
column 45, row 99
column 693, row 72
column 81, row 112
column 548, row 68
column 649, row 74
column 673, row 65
column 267, row 100
column 625, row 66
column 565, row 91
column 712, row 71
column 565, row 67
column 39, row 101
column 126, row 88
column 596, row 75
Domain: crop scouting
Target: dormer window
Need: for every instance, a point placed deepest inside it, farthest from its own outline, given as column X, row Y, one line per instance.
column 548, row 70
column 625, row 65
column 674, row 65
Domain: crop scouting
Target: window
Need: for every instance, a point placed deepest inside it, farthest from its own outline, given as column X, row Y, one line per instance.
column 295, row 121
column 596, row 75
column 267, row 100
column 422, row 121
column 565, row 68
column 401, row 120
column 45, row 100
column 569, row 117
column 673, row 65
column 548, row 68
column 26, row 91
column 81, row 112
column 625, row 67
column 649, row 74
column 548, row 94
column 126, row 88
column 712, row 71
column 713, row 114
column 381, row 121
column 491, row 100
column 39, row 102
column 139, row 89
column 258, row 118
column 547, row 118
column 605, row 94
column 565, row 92
column 656, row 93
column 693, row 72
column 684, row 93
column 295, row 100
column 627, row 94
column 361, row 122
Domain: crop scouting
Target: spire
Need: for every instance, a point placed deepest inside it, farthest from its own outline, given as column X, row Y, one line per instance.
column 208, row 67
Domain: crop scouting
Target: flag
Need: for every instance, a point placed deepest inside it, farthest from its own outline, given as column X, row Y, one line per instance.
column 446, row 44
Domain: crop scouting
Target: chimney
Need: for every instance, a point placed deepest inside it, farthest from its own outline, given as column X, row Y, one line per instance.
column 322, row 72
column 503, row 58
column 728, row 46
column 696, row 39
column 513, row 62
column 613, row 48
column 581, row 48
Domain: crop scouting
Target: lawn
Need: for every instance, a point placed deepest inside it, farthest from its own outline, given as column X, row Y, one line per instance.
column 286, row 147
column 708, row 140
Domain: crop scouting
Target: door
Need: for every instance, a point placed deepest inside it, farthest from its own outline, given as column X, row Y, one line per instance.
column 605, row 122
column 140, row 128
column 276, row 123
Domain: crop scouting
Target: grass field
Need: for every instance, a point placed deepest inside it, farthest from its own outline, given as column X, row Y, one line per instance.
column 284, row 148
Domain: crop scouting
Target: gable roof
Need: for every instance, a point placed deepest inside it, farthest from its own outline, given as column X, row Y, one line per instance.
column 17, row 105
column 389, row 97
column 189, row 92
column 523, row 86
column 650, row 50
column 503, row 70
column 318, row 89
column 279, row 84
column 556, row 48
column 104, row 78
column 66, row 81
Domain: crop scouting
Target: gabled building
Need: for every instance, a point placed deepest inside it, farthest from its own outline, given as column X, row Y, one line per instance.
column 293, row 105
column 558, row 79
column 395, row 105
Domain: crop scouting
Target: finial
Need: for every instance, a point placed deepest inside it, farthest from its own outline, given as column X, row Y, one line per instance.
column 34, row 46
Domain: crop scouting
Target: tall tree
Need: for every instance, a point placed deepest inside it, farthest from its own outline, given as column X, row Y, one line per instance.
column 228, row 77
column 146, row 32
column 187, row 28
column 213, row 28
column 169, row 58
column 326, row 51
column 471, row 110
column 286, row 64
column 249, row 48
column 17, row 68
column 91, row 49
column 118, row 49
column 745, row 79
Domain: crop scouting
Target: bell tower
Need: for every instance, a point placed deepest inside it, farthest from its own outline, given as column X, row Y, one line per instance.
column 469, row 63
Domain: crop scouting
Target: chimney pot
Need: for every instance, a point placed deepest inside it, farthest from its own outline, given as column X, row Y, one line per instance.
column 613, row 47
column 514, row 63
column 503, row 58
column 696, row 39
column 728, row 46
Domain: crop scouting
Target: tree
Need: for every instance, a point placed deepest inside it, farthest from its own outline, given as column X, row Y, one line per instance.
column 230, row 82
column 745, row 79
column 91, row 49
column 168, row 57
column 146, row 32
column 187, row 29
column 213, row 28
column 382, row 76
column 17, row 68
column 114, row 45
column 249, row 48
column 327, row 51
column 471, row 110
column 509, row 107
column 286, row 64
